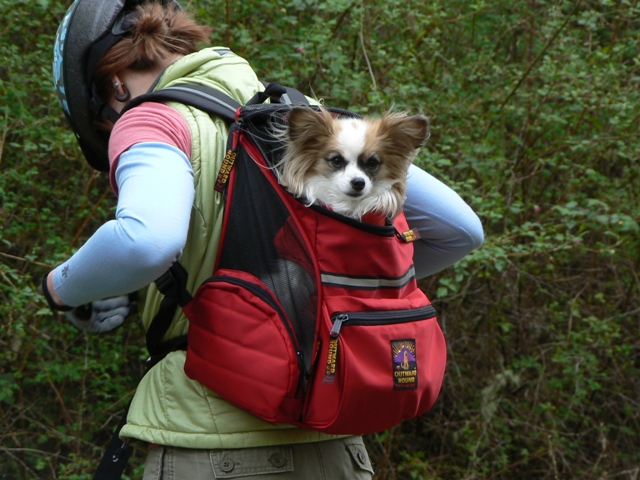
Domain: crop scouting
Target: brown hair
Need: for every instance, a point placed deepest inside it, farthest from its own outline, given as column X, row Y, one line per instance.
column 159, row 32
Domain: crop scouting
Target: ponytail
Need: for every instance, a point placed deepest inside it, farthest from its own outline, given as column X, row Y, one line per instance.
column 159, row 32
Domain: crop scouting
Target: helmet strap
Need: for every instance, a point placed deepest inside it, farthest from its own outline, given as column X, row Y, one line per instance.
column 109, row 113
column 101, row 109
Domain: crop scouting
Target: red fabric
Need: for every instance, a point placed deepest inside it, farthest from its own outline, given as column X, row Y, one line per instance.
column 374, row 218
column 384, row 366
column 239, row 347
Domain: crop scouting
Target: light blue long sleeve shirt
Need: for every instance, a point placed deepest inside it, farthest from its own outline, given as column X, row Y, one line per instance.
column 156, row 192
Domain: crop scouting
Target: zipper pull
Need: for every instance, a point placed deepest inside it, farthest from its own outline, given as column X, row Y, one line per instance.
column 332, row 354
column 337, row 324
column 408, row 236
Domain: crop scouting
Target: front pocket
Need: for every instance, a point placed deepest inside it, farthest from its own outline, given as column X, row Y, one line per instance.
column 241, row 345
column 377, row 369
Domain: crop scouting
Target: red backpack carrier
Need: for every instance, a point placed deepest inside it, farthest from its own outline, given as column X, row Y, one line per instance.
column 309, row 318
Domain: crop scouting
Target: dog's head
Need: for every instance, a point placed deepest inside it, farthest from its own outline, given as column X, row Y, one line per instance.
column 353, row 166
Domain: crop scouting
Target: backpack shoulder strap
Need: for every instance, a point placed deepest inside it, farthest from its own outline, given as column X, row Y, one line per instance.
column 295, row 97
column 216, row 103
column 207, row 99
column 173, row 283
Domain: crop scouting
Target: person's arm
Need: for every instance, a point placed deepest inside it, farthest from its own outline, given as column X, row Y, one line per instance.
column 449, row 229
column 156, row 191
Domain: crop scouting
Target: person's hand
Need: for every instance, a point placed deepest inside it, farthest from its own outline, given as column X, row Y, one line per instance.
column 101, row 316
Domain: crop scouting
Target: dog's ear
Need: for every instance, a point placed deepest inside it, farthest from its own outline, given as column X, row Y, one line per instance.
column 417, row 128
column 406, row 132
column 305, row 124
column 307, row 134
column 413, row 130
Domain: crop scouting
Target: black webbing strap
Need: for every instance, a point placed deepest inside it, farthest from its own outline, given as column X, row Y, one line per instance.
column 216, row 103
column 276, row 93
column 207, row 99
column 273, row 92
column 173, row 285
column 116, row 456
column 294, row 97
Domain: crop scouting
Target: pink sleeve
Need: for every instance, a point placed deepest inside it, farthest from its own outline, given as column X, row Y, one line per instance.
column 149, row 122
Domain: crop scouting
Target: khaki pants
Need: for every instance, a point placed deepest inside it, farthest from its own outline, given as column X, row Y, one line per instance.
column 341, row 459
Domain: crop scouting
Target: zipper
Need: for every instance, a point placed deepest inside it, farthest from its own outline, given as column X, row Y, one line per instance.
column 265, row 297
column 379, row 318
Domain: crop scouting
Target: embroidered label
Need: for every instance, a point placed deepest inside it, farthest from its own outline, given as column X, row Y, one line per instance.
column 405, row 367
column 332, row 357
column 225, row 170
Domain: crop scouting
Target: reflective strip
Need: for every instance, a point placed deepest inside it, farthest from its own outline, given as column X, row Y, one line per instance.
column 369, row 283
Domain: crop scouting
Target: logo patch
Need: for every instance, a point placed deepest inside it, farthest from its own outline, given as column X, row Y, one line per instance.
column 405, row 366
column 225, row 171
column 332, row 357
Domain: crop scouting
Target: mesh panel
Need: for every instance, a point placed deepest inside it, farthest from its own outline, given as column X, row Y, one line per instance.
column 261, row 239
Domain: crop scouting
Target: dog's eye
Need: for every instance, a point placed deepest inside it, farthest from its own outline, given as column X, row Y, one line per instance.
column 337, row 161
column 372, row 162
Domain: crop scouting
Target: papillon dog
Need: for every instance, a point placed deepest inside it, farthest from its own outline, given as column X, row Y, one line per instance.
column 353, row 166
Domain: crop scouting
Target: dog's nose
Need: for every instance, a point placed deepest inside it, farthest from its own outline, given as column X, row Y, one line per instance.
column 357, row 184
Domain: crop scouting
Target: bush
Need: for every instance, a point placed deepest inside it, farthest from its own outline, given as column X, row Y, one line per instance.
column 534, row 111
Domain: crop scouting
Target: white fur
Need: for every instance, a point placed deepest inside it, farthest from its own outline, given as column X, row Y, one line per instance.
column 330, row 191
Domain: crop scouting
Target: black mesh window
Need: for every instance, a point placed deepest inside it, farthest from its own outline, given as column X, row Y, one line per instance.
column 261, row 239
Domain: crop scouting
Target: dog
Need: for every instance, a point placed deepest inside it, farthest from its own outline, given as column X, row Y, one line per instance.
column 352, row 166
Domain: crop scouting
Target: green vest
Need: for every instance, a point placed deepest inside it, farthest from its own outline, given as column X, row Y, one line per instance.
column 168, row 408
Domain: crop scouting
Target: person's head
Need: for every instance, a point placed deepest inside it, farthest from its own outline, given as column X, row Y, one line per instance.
column 98, row 43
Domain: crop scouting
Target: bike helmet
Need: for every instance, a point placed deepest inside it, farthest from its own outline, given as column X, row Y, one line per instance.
column 88, row 30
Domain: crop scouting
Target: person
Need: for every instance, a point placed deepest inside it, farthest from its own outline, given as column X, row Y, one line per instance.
column 162, row 160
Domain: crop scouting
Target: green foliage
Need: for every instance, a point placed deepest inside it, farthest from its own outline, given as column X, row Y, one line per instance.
column 535, row 118
column 60, row 392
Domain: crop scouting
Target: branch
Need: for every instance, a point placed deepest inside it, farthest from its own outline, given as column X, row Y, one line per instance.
column 533, row 63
